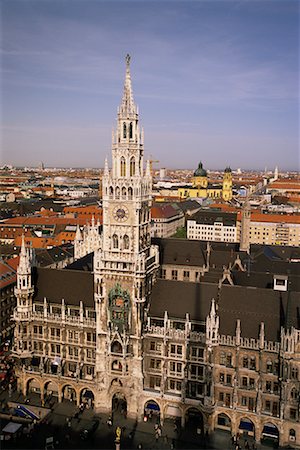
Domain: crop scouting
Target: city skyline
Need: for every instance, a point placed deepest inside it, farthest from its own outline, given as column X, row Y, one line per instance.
column 215, row 81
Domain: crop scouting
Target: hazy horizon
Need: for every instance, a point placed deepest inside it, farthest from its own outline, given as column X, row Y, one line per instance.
column 215, row 81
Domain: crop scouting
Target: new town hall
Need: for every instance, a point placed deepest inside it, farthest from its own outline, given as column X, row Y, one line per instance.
column 186, row 329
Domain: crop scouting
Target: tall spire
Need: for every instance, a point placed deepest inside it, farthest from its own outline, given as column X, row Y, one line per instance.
column 127, row 107
column 24, row 264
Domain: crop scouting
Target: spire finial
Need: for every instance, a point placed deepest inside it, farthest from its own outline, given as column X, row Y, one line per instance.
column 127, row 106
column 127, row 59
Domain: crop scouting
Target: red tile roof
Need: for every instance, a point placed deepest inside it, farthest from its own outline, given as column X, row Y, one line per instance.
column 7, row 275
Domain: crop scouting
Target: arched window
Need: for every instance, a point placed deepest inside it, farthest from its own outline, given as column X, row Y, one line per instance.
column 269, row 366
column 130, row 193
column 294, row 373
column 116, row 365
column 253, row 363
column 115, row 241
column 132, row 166
column 294, row 394
column 117, row 192
column 124, row 193
column 124, row 130
column 292, row 434
column 111, row 191
column 222, row 358
column 116, row 347
column 126, row 242
column 123, row 167
column 130, row 130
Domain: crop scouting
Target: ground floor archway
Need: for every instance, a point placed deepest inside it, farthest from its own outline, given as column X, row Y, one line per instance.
column 51, row 388
column 246, row 426
column 270, row 433
column 33, row 386
column 223, row 422
column 87, row 398
column 151, row 408
column 119, row 404
column 194, row 421
column 69, row 393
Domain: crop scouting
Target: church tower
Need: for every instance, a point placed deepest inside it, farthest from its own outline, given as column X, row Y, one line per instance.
column 126, row 263
column 227, row 185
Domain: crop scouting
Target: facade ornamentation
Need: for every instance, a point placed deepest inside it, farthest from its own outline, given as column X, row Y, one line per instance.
column 110, row 344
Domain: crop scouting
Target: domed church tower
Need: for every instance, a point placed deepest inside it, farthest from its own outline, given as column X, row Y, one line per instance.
column 126, row 264
column 200, row 177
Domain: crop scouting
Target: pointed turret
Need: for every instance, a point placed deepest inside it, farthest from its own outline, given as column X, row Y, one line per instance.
column 24, row 267
column 24, row 287
column 148, row 169
column 238, row 332
column 127, row 107
column 78, row 236
column 212, row 325
column 106, row 170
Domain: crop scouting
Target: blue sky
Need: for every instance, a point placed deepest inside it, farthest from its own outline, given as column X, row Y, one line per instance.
column 215, row 81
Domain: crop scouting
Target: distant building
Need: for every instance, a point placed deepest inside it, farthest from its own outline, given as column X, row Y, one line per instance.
column 247, row 227
column 213, row 226
column 166, row 219
column 202, row 188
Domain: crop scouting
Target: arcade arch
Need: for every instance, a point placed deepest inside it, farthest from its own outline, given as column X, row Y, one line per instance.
column 33, row 385
column 51, row 389
column 247, row 426
column 119, row 403
column 223, row 422
column 69, row 393
column 151, row 407
column 194, row 420
column 87, row 397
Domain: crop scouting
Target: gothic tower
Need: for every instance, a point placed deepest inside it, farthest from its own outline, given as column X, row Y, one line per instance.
column 24, row 293
column 126, row 263
column 245, row 227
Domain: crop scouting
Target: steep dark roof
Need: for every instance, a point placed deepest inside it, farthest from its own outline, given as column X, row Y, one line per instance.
column 45, row 257
column 180, row 298
column 188, row 206
column 252, row 306
column 181, row 252
column 71, row 285
column 86, row 263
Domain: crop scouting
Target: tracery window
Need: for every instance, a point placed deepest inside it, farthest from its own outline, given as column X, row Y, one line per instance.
column 132, row 166
column 123, row 167
column 115, row 241
column 126, row 242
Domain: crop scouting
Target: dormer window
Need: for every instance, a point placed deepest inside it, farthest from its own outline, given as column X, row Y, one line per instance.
column 280, row 283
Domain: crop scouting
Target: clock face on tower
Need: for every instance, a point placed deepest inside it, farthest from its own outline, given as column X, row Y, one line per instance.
column 120, row 213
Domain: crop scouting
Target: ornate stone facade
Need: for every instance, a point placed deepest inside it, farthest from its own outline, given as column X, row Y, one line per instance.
column 179, row 348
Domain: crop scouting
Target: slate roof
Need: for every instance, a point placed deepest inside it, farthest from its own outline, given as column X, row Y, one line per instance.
column 86, row 263
column 180, row 298
column 71, row 285
column 181, row 251
column 252, row 306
